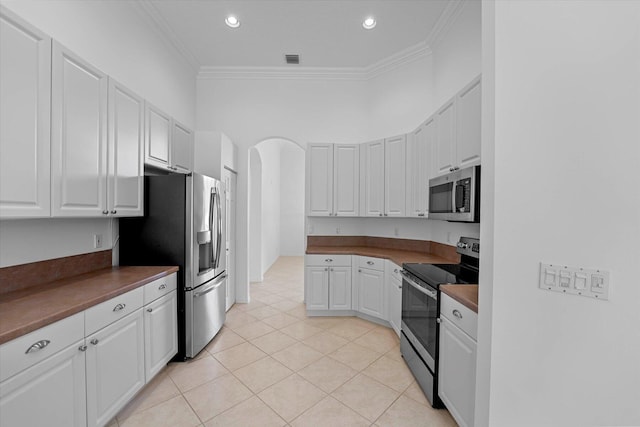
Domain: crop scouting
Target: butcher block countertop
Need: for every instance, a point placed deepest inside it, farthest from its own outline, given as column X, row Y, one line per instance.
column 25, row 310
column 466, row 295
column 397, row 250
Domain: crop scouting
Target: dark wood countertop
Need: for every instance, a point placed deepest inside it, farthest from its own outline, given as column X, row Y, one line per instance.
column 466, row 295
column 26, row 310
column 395, row 255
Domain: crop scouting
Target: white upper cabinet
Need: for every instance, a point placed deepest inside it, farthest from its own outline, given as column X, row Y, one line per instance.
column 383, row 177
column 458, row 131
column 78, row 136
column 346, row 175
column 395, row 175
column 125, row 182
column 332, row 179
column 468, row 124
column 169, row 144
column 419, row 144
column 373, row 182
column 182, row 148
column 25, row 114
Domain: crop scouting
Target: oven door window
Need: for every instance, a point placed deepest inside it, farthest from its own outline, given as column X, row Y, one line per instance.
column 419, row 314
column 441, row 198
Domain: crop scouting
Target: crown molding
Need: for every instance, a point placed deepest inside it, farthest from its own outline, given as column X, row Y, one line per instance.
column 147, row 10
column 445, row 21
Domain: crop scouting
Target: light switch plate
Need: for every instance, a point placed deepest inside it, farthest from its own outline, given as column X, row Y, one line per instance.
column 574, row 280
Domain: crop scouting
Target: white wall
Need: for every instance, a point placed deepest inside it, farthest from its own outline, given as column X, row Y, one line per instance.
column 270, row 225
column 114, row 37
column 292, row 175
column 567, row 109
column 255, row 221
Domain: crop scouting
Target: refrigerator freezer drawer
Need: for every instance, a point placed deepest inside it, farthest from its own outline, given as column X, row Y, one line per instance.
column 205, row 312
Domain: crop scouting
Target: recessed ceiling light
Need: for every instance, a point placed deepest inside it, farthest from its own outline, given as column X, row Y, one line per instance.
column 369, row 23
column 232, row 21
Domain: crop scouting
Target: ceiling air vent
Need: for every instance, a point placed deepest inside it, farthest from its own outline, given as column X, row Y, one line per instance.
column 292, row 59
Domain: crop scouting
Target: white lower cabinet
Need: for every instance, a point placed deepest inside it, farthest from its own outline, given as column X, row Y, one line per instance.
column 50, row 393
column 115, row 367
column 160, row 333
column 371, row 287
column 328, row 282
column 394, row 295
column 339, row 288
column 457, row 371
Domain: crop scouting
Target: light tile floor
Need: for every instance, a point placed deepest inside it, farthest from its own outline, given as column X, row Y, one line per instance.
column 271, row 365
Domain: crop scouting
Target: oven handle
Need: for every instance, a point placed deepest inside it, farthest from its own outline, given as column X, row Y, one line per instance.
column 430, row 294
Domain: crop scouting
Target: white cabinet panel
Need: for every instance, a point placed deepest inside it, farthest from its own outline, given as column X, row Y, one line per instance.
column 158, row 137
column 78, row 136
column 445, row 150
column 394, row 295
column 51, row 393
column 346, row 175
column 373, row 182
column 115, row 367
column 160, row 333
column 371, row 293
column 339, row 288
column 317, row 288
column 25, row 117
column 125, row 183
column 419, row 159
column 394, row 176
column 468, row 126
column 182, row 148
column 320, row 179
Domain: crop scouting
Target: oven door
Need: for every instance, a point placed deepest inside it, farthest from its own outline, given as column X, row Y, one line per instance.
column 419, row 317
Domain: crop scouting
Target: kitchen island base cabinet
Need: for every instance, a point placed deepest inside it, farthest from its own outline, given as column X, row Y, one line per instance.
column 115, row 367
column 50, row 393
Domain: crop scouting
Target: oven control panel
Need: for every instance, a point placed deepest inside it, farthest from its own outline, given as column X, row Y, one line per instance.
column 469, row 246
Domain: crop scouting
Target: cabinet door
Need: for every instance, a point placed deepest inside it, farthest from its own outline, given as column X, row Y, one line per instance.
column 316, row 294
column 115, row 367
column 468, row 125
column 395, row 303
column 158, row 137
column 50, row 393
column 371, row 292
column 182, row 148
column 373, row 178
column 160, row 333
column 395, row 175
column 125, row 182
column 346, row 179
column 457, row 372
column 339, row 288
column 25, row 117
column 78, row 136
column 445, row 149
column 320, row 180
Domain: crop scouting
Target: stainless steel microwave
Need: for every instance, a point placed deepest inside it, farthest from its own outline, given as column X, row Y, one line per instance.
column 456, row 196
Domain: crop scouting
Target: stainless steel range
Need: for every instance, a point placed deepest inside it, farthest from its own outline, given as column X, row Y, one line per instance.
column 420, row 309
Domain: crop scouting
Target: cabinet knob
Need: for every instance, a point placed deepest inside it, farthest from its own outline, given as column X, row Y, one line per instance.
column 379, row 214
column 438, row 320
column 326, row 269
column 105, row 212
column 457, row 314
column 119, row 307
column 113, row 212
column 386, row 214
column 395, row 270
column 456, row 168
column 82, row 348
column 452, row 169
column 150, row 309
column 161, row 287
column 328, row 260
column 95, row 341
column 370, row 263
column 399, row 286
column 37, row 346
column 359, row 271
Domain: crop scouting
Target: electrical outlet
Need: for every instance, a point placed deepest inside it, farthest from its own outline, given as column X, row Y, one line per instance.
column 396, row 231
column 97, row 241
column 574, row 280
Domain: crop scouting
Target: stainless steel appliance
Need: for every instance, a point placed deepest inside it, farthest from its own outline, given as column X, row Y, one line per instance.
column 420, row 309
column 456, row 196
column 183, row 225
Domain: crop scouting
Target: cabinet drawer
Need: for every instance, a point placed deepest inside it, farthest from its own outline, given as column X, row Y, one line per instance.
column 101, row 315
column 330, row 259
column 27, row 350
column 394, row 270
column 459, row 315
column 371, row 262
column 160, row 287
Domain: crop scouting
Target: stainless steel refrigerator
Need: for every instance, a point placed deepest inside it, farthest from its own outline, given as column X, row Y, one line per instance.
column 183, row 225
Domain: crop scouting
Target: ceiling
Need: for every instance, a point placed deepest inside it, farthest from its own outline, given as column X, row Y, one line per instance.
column 325, row 33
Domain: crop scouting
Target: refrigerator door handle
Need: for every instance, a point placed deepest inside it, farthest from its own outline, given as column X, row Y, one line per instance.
column 219, row 239
column 212, row 202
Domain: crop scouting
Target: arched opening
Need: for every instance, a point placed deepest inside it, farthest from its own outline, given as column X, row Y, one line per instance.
column 276, row 203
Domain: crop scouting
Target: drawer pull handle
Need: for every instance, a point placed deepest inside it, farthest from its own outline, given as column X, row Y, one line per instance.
column 328, row 260
column 395, row 270
column 82, row 348
column 119, row 307
column 370, row 262
column 95, row 341
column 161, row 287
column 149, row 309
column 37, row 346
column 457, row 314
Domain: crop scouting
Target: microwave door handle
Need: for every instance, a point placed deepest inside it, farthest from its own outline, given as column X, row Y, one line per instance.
column 219, row 238
column 453, row 196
